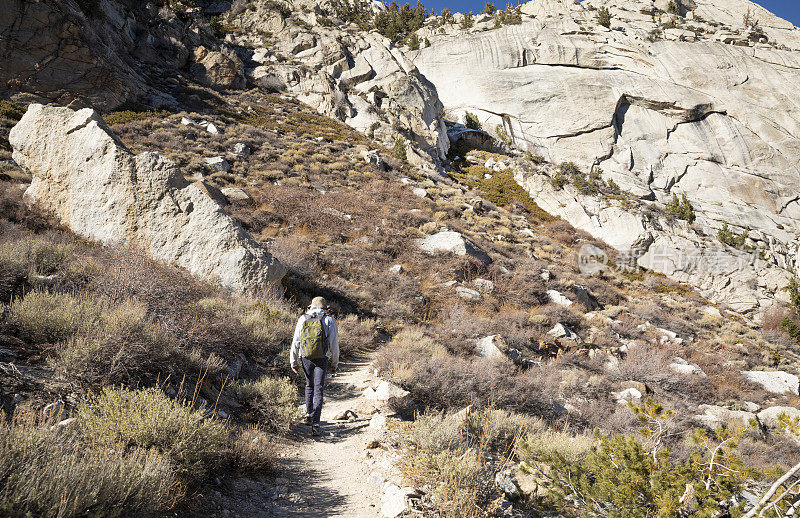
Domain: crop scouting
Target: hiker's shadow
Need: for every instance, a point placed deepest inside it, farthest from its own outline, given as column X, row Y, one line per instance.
column 332, row 431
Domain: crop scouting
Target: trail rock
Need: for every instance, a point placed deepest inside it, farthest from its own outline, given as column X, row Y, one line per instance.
column 398, row 502
column 95, row 186
column 388, row 390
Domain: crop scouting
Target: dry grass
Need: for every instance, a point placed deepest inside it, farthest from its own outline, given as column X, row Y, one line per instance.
column 47, row 470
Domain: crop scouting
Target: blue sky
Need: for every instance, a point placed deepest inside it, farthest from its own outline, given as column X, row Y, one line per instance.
column 788, row 9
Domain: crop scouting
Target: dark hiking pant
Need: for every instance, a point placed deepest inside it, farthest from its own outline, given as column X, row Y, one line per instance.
column 315, row 371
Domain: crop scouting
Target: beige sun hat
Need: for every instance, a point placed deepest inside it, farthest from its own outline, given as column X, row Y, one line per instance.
column 319, row 302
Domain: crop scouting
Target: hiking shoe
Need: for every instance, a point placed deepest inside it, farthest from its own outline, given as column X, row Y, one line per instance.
column 315, row 431
column 309, row 420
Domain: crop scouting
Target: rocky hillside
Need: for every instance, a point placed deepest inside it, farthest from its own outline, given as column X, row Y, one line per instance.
column 695, row 101
column 162, row 240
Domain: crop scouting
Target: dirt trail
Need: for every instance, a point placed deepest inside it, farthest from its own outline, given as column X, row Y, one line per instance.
column 330, row 475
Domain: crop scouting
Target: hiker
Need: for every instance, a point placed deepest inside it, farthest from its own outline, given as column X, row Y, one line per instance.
column 316, row 345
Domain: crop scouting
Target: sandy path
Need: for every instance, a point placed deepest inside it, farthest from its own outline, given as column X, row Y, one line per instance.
column 329, row 475
column 331, row 470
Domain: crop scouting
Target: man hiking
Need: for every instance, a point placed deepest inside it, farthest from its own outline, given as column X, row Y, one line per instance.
column 316, row 346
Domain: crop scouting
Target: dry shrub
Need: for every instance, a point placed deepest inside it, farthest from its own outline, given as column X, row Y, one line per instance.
column 128, row 272
column 773, row 317
column 46, row 470
column 357, row 334
column 129, row 419
column 253, row 452
column 125, row 346
column 437, row 379
column 272, row 402
column 46, row 318
column 298, row 254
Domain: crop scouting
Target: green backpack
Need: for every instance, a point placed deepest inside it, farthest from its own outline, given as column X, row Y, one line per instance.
column 313, row 341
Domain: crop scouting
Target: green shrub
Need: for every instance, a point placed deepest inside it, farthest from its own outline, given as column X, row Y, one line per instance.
column 394, row 22
column 468, row 21
column 490, row 8
column 399, row 151
column 41, row 257
column 413, row 41
column 681, row 209
column 501, row 189
column 623, row 477
column 45, row 318
column 511, row 16
column 731, row 238
column 127, row 420
column 46, row 471
column 471, row 121
column 604, row 17
column 271, row 401
column 11, row 110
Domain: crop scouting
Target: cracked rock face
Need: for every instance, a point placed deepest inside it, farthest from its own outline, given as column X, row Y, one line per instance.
column 85, row 177
column 358, row 77
column 717, row 121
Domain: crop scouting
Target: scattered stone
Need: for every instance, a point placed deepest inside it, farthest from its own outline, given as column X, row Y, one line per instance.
column 777, row 382
column 484, row 285
column 398, row 503
column 492, row 346
column 345, row 415
column 638, row 385
column 241, row 150
column 628, row 394
column 468, row 294
column 711, row 310
column 504, row 480
column 211, row 128
column 371, row 156
column 186, row 121
column 681, row 366
column 710, row 422
column 388, row 390
column 235, row 194
column 564, row 332
column 369, row 393
column 452, row 242
column 730, row 417
column 546, row 275
column 218, row 164
column 396, row 269
column 583, row 296
column 419, row 191
column 558, row 298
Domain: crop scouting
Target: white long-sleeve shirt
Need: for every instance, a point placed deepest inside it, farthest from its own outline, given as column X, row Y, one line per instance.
column 331, row 333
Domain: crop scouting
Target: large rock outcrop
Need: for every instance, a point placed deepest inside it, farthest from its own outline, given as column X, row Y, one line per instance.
column 107, row 53
column 85, row 176
column 360, row 78
column 708, row 108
